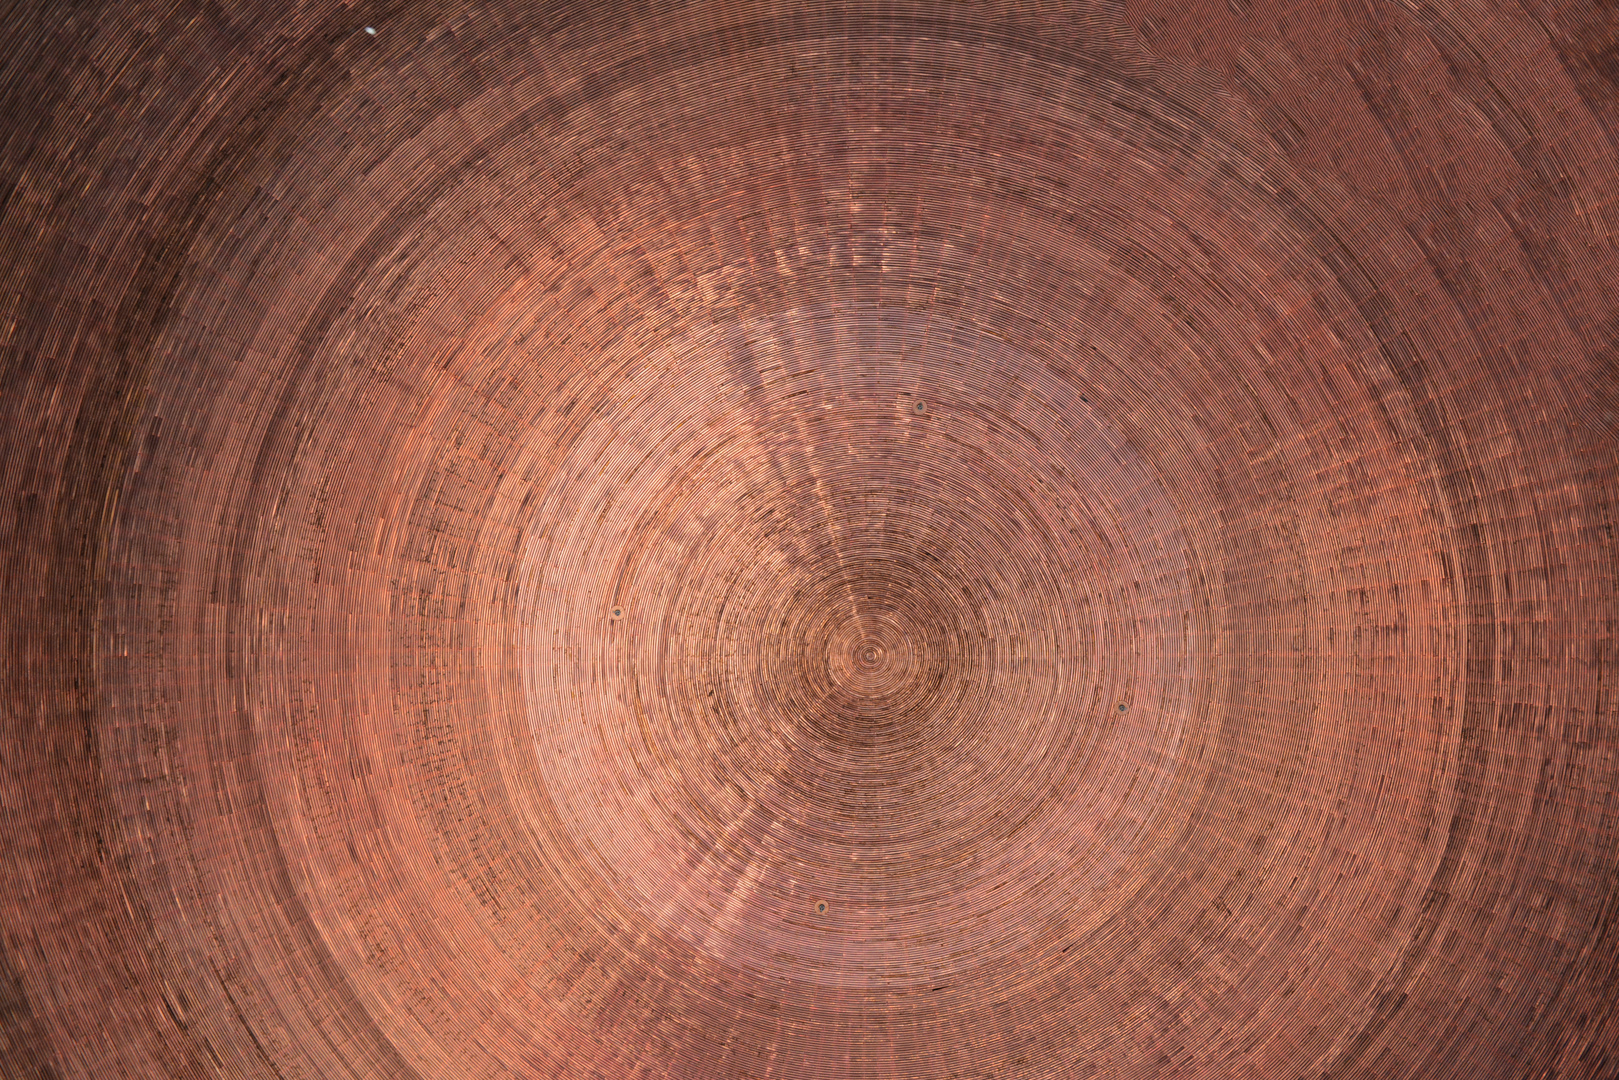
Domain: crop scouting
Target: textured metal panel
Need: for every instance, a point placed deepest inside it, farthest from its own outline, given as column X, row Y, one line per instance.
column 742, row 540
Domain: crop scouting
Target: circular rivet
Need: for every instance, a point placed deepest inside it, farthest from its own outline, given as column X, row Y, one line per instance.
column 921, row 407
column 618, row 613
column 1123, row 707
column 820, row 908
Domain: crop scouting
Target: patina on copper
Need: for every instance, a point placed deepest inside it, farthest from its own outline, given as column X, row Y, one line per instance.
column 748, row 540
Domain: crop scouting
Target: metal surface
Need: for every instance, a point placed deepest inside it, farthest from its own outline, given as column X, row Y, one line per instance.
column 766, row 540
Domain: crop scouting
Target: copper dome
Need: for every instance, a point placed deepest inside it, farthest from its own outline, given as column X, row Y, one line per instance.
column 873, row 539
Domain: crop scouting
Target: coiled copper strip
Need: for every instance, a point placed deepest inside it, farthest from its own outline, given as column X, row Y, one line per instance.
column 763, row 540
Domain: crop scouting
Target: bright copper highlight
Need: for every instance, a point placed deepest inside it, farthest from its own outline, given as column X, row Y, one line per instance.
column 894, row 539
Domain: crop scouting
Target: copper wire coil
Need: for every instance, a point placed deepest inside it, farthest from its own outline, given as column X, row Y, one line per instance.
column 760, row 540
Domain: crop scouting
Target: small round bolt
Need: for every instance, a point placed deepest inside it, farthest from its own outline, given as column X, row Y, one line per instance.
column 921, row 407
column 1123, row 707
column 618, row 613
column 820, row 908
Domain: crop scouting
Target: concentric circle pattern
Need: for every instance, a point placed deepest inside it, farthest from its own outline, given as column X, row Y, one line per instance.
column 755, row 540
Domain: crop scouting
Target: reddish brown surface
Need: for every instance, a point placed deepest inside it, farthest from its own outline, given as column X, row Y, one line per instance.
column 508, row 516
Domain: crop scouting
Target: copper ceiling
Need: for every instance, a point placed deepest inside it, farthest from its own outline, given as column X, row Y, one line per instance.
column 748, row 540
